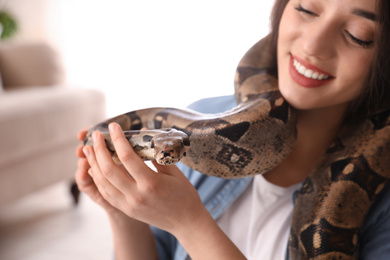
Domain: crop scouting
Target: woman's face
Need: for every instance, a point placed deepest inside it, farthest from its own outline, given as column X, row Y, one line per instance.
column 324, row 51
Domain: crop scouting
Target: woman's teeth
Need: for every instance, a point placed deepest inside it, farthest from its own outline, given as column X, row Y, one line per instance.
column 309, row 73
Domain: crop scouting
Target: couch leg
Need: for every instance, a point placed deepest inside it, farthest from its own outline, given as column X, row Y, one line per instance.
column 74, row 190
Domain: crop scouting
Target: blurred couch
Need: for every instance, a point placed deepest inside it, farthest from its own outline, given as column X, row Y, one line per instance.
column 39, row 120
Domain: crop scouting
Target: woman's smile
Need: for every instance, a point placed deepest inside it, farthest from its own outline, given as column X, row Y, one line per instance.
column 306, row 74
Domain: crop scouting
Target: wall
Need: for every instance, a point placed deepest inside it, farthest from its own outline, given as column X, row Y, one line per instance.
column 147, row 53
column 35, row 20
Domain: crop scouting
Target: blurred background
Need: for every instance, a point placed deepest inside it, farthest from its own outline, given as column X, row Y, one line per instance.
column 145, row 53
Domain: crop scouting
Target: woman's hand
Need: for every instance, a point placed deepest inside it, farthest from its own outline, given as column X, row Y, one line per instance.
column 132, row 239
column 165, row 199
column 83, row 179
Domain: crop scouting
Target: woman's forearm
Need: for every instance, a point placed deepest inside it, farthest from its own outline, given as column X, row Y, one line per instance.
column 132, row 239
column 204, row 240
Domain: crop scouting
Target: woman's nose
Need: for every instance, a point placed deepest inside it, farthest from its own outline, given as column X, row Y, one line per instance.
column 320, row 40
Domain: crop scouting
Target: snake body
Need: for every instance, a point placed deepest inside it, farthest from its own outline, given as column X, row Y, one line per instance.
column 260, row 132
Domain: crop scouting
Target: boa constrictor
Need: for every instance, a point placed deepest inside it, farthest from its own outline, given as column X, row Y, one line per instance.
column 260, row 132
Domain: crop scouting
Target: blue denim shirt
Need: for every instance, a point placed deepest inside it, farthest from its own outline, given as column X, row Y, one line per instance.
column 218, row 194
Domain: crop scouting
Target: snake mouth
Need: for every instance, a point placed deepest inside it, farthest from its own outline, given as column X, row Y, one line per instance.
column 167, row 160
column 167, row 157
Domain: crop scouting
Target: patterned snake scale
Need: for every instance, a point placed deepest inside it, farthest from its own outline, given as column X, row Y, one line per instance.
column 260, row 132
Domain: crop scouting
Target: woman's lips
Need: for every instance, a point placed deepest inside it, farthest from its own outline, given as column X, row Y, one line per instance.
column 306, row 74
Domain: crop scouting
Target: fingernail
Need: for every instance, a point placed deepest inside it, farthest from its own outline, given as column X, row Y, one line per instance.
column 112, row 127
column 86, row 151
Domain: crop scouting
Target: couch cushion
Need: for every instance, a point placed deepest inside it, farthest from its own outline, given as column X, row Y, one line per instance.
column 36, row 120
column 24, row 65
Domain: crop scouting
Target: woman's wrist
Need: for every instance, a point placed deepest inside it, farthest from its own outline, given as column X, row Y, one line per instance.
column 133, row 239
column 120, row 220
column 203, row 239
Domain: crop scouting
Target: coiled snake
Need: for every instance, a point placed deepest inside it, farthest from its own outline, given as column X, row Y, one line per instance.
column 257, row 135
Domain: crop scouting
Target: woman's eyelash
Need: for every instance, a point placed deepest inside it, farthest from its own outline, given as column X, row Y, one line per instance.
column 364, row 44
column 299, row 8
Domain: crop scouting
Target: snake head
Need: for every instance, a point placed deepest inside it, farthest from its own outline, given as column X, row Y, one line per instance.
column 170, row 146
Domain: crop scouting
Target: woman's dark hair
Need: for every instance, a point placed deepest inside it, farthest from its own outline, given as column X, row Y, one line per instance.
column 376, row 96
column 276, row 16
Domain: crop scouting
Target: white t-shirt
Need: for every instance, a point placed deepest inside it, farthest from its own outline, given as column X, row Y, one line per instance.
column 259, row 221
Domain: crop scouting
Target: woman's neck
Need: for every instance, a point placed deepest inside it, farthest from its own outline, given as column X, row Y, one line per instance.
column 316, row 129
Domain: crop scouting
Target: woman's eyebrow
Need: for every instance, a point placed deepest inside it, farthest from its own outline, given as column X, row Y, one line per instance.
column 365, row 14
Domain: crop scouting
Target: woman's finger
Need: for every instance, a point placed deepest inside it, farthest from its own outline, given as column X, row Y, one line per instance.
column 84, row 181
column 106, row 189
column 82, row 133
column 79, row 151
column 168, row 169
column 87, row 185
column 80, row 136
column 132, row 162
column 81, row 175
column 108, row 169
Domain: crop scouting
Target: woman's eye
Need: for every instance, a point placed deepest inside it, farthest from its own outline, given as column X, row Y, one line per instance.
column 364, row 44
column 299, row 8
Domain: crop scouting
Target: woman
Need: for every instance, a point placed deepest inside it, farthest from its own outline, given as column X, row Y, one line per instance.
column 332, row 68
